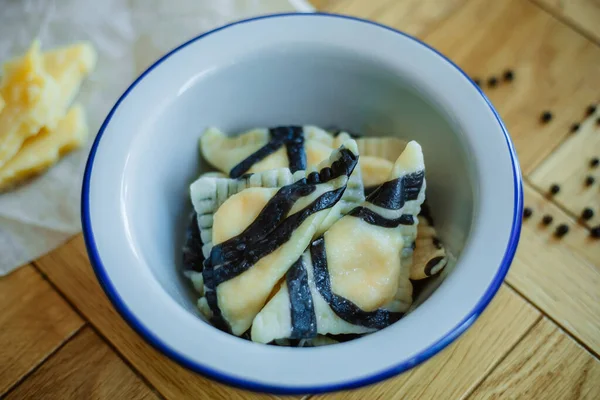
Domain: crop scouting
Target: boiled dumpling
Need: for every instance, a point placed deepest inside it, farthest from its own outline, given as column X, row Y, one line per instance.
column 429, row 256
column 254, row 232
column 351, row 280
column 258, row 150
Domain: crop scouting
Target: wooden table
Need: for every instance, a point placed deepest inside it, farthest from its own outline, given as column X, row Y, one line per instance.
column 540, row 337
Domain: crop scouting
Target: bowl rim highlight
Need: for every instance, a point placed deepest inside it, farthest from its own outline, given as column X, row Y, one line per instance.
column 165, row 348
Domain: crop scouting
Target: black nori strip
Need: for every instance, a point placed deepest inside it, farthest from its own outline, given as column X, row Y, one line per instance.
column 344, row 308
column 431, row 264
column 392, row 194
column 244, row 260
column 192, row 249
column 304, row 320
column 371, row 217
column 292, row 137
column 370, row 189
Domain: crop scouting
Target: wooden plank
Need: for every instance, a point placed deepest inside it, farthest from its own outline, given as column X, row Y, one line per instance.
column 34, row 322
column 546, row 364
column 415, row 17
column 69, row 269
column 561, row 277
column 569, row 166
column 578, row 239
column 85, row 368
column 463, row 364
column 555, row 68
column 582, row 14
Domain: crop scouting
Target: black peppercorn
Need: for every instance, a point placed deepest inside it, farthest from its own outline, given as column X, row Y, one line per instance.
column 527, row 212
column 546, row 116
column 554, row 189
column 509, row 75
column 587, row 213
column 492, row 81
column 589, row 180
column 561, row 230
column 547, row 219
column 591, row 109
column 595, row 232
column 574, row 128
column 594, row 162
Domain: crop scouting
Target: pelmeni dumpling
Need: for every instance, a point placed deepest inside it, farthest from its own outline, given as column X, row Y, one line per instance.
column 351, row 279
column 257, row 150
column 253, row 234
column 429, row 256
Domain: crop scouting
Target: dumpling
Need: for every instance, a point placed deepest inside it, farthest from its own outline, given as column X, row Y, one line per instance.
column 377, row 157
column 257, row 150
column 429, row 256
column 351, row 280
column 256, row 227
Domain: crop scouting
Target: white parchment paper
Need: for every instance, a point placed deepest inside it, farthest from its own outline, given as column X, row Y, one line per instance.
column 129, row 35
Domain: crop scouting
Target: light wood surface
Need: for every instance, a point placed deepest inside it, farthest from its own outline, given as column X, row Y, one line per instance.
column 569, row 166
column 546, row 364
column 476, row 353
column 34, row 322
column 539, row 338
column 85, row 368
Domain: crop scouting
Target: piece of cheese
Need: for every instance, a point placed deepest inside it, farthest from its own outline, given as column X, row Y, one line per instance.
column 43, row 150
column 38, row 90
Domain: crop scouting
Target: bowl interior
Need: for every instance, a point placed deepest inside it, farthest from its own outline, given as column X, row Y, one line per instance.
column 316, row 85
column 314, row 69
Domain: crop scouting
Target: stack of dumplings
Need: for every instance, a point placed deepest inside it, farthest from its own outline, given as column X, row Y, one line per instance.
column 307, row 237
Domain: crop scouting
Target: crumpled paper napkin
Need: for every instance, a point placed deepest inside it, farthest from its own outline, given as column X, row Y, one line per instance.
column 128, row 35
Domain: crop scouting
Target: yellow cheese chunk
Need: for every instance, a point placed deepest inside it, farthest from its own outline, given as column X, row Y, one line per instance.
column 43, row 150
column 38, row 90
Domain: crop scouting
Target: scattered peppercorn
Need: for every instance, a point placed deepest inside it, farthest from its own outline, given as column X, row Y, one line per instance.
column 574, row 128
column 589, row 180
column 546, row 116
column 587, row 213
column 527, row 212
column 509, row 75
column 554, row 189
column 595, row 232
column 594, row 162
column 591, row 109
column 547, row 219
column 492, row 81
column 561, row 230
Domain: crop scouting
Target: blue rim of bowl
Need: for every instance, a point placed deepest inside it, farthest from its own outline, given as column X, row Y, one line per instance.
column 405, row 365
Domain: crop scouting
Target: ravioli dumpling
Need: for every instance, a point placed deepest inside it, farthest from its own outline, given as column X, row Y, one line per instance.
column 352, row 280
column 294, row 147
column 254, row 232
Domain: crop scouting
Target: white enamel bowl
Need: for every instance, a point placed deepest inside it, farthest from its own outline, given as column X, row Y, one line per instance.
column 326, row 70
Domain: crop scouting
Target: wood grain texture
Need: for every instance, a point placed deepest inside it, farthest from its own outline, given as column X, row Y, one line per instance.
column 415, row 17
column 569, row 166
column 583, row 14
column 546, row 364
column 69, row 269
column 561, row 280
column 555, row 68
column 85, row 368
column 500, row 327
column 34, row 322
